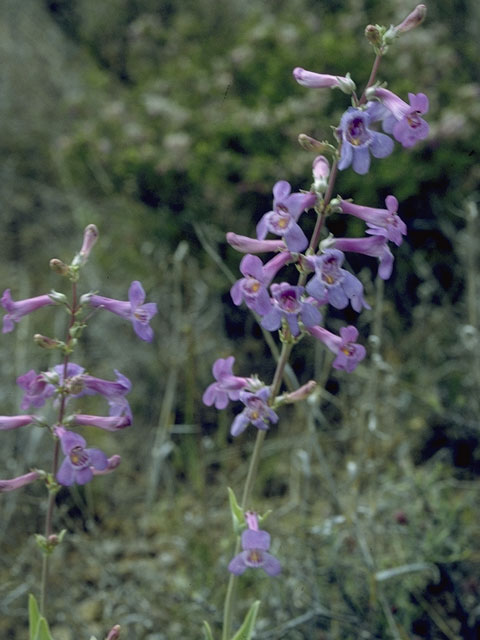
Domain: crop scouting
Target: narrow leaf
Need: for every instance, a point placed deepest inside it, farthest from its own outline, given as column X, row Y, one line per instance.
column 207, row 631
column 43, row 632
column 33, row 616
column 246, row 630
column 238, row 516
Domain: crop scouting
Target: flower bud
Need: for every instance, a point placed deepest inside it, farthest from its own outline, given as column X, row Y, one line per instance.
column 59, row 267
column 321, row 171
column 300, row 394
column 311, row 144
column 415, row 18
column 114, row 633
column 56, row 296
column 90, row 236
column 373, row 35
column 45, row 342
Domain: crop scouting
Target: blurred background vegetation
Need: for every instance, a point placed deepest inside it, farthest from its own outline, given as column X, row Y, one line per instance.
column 166, row 123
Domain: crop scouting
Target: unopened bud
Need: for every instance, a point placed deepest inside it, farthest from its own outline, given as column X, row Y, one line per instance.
column 311, row 144
column 114, row 633
column 416, row 17
column 56, row 296
column 59, row 267
column 301, row 393
column 45, row 342
column 373, row 35
column 321, row 171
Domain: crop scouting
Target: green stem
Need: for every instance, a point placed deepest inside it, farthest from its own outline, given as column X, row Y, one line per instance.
column 56, row 453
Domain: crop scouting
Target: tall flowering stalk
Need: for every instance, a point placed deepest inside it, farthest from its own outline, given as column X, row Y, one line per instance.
column 63, row 385
column 300, row 309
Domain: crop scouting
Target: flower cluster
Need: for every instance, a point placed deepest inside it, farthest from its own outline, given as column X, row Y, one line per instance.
column 322, row 280
column 64, row 383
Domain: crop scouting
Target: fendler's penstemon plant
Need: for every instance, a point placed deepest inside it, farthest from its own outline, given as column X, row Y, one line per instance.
column 366, row 133
column 73, row 461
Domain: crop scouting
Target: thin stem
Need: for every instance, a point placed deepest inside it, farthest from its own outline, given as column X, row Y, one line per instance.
column 371, row 80
column 56, row 454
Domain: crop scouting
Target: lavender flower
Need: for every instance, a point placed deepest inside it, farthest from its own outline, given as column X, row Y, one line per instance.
column 36, row 388
column 16, row 310
column 255, row 546
column 19, row 481
column 112, row 464
column 288, row 305
column 414, row 18
column 134, row 310
column 114, row 392
column 344, row 346
column 323, row 80
column 333, row 284
column 257, row 411
column 227, row 386
column 358, row 140
column 375, row 246
column 282, row 221
column 404, row 120
column 14, row 422
column 111, row 423
column 253, row 287
column 78, row 463
column 381, row 222
column 244, row 244
column 90, row 237
column 321, row 171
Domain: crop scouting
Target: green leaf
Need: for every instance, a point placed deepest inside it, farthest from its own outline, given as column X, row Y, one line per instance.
column 238, row 517
column 246, row 630
column 33, row 616
column 43, row 632
column 207, row 631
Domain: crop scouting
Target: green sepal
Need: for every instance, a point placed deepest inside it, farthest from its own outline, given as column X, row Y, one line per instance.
column 264, row 516
column 47, row 545
column 238, row 516
column 246, row 630
column 207, row 631
column 37, row 624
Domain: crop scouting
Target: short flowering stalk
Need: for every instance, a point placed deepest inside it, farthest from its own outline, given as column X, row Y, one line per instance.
column 255, row 545
column 282, row 221
column 19, row 481
column 110, row 423
column 403, row 120
column 348, row 352
column 14, row 422
column 374, row 246
column 17, row 310
column 79, row 460
column 135, row 310
column 358, row 141
column 384, row 222
column 226, row 386
column 323, row 80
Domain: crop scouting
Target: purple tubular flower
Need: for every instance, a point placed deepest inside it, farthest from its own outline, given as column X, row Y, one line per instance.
column 253, row 287
column 257, row 411
column 111, row 423
column 114, row 392
column 19, row 481
column 244, row 244
column 323, row 80
column 414, row 18
column 78, row 463
column 227, row 386
column 287, row 304
column 381, row 222
column 112, row 463
column 333, row 284
column 358, row 141
column 36, row 388
column 16, row 310
column 134, row 310
column 344, row 346
column 404, row 119
column 14, row 422
column 375, row 246
column 282, row 221
column 255, row 545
